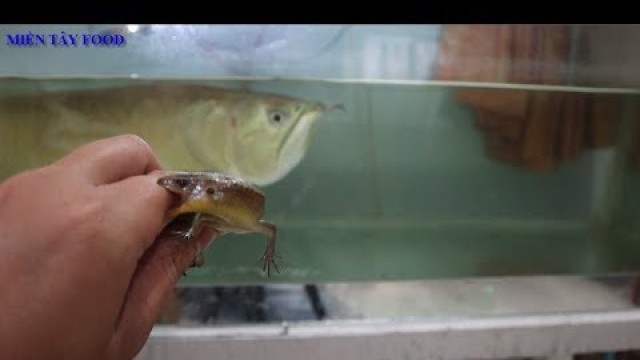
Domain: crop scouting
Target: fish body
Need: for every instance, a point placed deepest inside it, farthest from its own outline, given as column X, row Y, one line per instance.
column 224, row 203
column 259, row 137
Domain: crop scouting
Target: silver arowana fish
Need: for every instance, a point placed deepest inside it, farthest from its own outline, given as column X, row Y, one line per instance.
column 258, row 137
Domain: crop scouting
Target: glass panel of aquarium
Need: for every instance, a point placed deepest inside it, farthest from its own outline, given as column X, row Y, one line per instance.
column 385, row 153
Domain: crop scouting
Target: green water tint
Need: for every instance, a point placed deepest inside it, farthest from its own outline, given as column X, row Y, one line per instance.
column 398, row 186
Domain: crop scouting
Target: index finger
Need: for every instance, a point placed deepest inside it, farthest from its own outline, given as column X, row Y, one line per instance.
column 113, row 159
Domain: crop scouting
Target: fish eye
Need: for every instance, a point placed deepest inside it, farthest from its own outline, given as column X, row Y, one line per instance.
column 276, row 117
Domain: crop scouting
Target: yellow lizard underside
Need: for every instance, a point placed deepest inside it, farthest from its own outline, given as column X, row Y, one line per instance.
column 234, row 215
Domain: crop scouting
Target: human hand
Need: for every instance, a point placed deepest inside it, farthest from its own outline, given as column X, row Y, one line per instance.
column 83, row 277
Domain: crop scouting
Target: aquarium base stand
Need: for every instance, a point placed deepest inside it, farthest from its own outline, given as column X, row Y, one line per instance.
column 467, row 338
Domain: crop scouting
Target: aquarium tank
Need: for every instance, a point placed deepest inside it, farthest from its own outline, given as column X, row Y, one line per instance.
column 387, row 154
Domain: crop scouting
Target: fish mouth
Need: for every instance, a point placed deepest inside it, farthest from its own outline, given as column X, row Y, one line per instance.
column 306, row 119
column 294, row 147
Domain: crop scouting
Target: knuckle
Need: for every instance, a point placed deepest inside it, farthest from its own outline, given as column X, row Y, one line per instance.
column 16, row 191
column 82, row 221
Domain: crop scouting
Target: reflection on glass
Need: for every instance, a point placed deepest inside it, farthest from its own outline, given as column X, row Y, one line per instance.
column 401, row 300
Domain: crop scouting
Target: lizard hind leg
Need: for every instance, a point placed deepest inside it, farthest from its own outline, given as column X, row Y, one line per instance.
column 194, row 229
column 200, row 222
column 269, row 255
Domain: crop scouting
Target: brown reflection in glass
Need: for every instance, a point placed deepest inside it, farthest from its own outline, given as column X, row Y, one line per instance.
column 533, row 129
column 539, row 130
column 532, row 54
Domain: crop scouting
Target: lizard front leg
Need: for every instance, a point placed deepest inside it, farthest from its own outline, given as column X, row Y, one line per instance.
column 200, row 222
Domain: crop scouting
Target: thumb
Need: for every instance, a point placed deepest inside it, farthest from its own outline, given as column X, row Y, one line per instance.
column 157, row 274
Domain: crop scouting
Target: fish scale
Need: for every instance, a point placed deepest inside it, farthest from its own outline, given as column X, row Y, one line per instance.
column 187, row 126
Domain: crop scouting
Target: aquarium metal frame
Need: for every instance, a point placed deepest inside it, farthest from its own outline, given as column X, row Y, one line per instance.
column 535, row 335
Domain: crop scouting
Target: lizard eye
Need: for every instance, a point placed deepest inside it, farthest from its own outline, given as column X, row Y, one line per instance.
column 211, row 191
